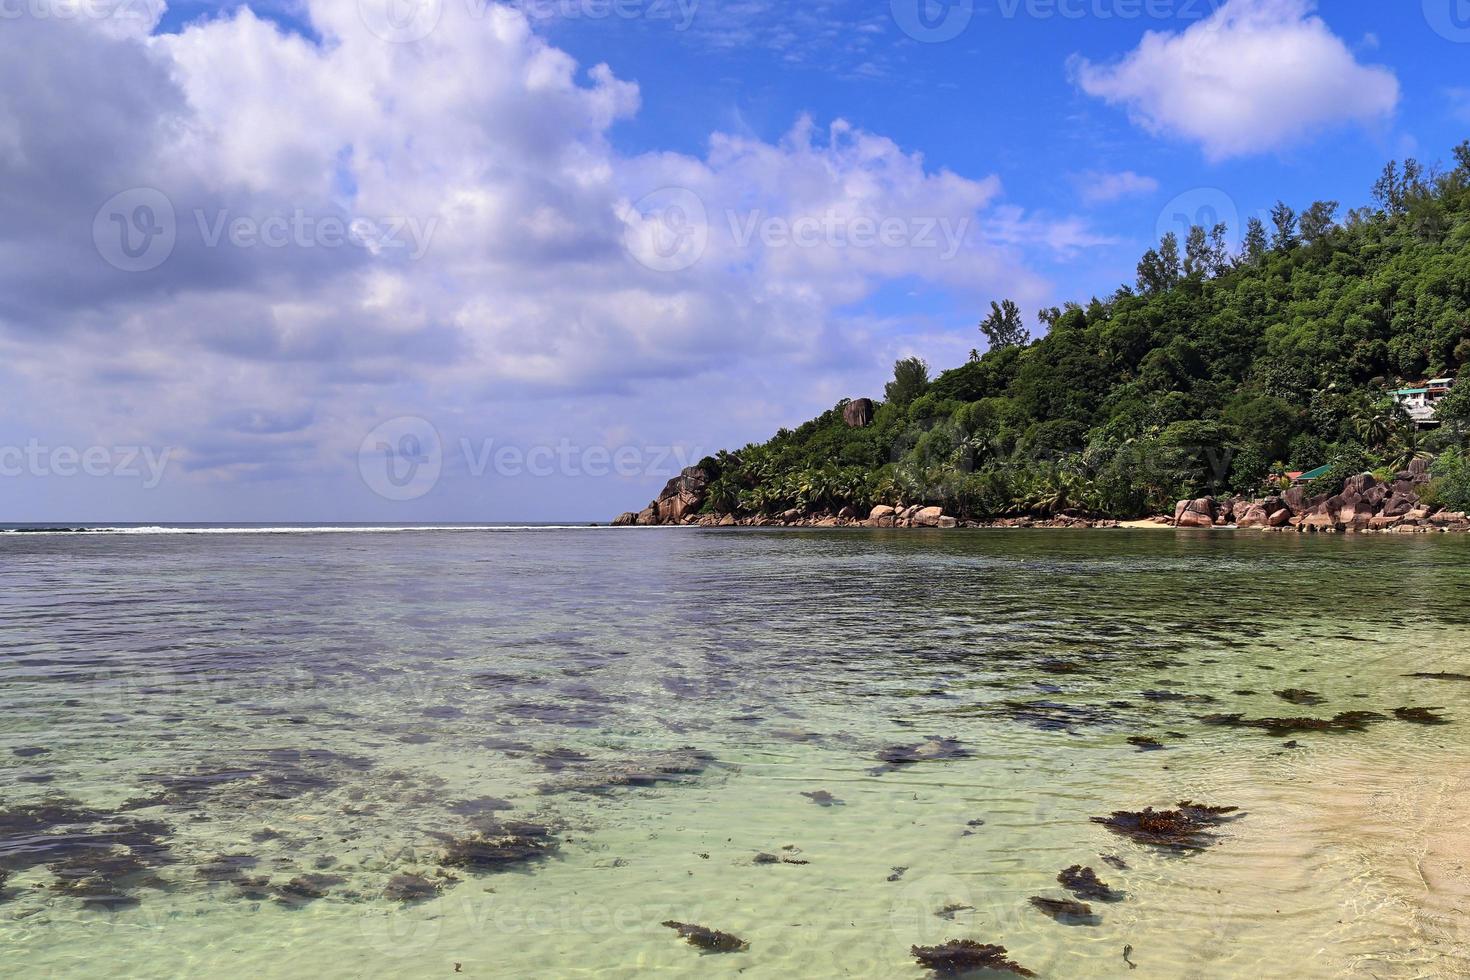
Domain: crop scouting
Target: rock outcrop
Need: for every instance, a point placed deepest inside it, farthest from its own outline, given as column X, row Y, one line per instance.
column 858, row 413
column 679, row 502
column 1365, row 504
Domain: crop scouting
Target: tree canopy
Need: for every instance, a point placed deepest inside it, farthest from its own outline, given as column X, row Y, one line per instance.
column 1220, row 369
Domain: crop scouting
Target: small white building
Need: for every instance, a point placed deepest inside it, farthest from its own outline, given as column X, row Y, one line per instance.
column 1421, row 402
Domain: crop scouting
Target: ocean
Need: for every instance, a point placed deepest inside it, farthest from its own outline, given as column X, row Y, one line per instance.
column 422, row 752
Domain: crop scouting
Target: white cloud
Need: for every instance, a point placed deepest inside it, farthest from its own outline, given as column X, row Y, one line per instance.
column 490, row 147
column 1103, row 188
column 1257, row 75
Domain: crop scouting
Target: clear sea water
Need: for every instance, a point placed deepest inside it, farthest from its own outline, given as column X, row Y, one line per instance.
column 219, row 750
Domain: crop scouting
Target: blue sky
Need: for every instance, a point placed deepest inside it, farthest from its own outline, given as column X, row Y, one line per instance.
column 520, row 273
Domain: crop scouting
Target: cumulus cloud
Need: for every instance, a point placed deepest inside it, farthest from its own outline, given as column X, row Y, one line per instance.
column 441, row 227
column 1257, row 75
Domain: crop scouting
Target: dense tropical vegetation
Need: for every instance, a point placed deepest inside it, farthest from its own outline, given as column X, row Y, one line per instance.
column 1216, row 372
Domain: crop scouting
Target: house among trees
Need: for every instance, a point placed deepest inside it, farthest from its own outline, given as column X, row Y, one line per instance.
column 1300, row 478
column 1421, row 402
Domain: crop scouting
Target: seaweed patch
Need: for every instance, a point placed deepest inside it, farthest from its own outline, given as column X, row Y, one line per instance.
column 709, row 940
column 959, row 956
column 1185, row 829
column 1066, row 911
column 1084, row 883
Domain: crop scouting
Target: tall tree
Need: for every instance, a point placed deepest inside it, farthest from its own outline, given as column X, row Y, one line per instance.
column 1219, row 253
column 910, row 379
column 1169, row 257
column 1197, row 253
column 1284, row 218
column 1004, row 327
column 1318, row 221
column 1151, row 278
column 1388, row 190
column 1255, row 245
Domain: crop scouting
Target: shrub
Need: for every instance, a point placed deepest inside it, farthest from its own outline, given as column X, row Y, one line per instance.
column 1451, row 485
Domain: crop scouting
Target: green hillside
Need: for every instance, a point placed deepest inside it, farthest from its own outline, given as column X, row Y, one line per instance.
column 1212, row 373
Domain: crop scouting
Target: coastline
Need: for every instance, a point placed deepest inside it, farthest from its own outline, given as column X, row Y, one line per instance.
column 1364, row 505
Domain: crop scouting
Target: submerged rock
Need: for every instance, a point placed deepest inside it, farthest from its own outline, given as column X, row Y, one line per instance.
column 960, row 956
column 646, row 769
column 226, row 867
column 1345, row 721
column 96, row 855
column 937, row 748
column 1066, row 911
column 1185, row 829
column 1084, row 883
column 500, row 847
column 410, row 888
column 306, row 888
column 1056, row 716
column 1421, row 716
column 710, row 940
column 1295, row 695
column 823, row 798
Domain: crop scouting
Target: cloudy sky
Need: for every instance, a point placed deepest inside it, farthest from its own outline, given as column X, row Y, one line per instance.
column 450, row 260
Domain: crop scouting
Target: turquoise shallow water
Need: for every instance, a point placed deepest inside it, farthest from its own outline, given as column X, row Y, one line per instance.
column 219, row 752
